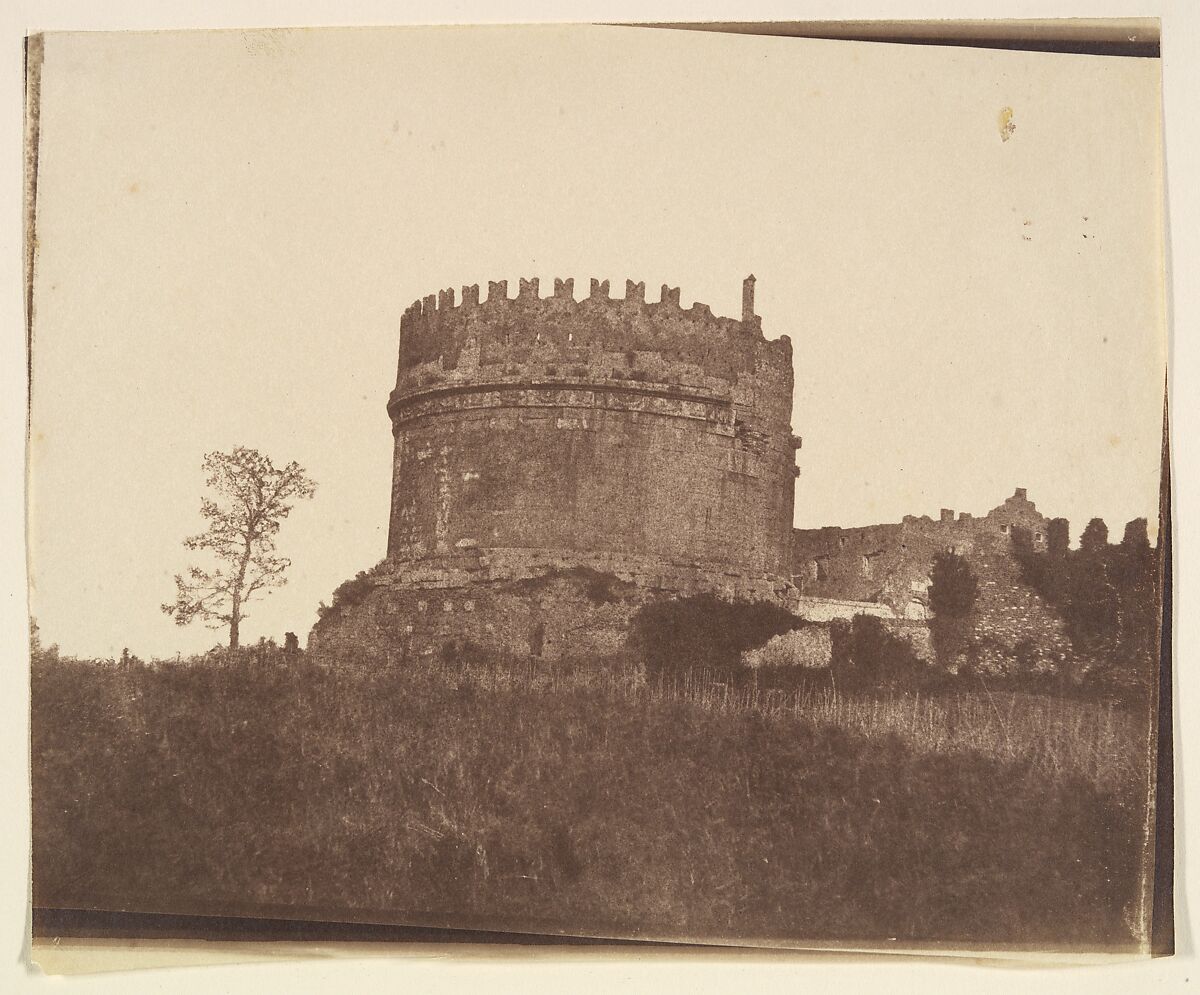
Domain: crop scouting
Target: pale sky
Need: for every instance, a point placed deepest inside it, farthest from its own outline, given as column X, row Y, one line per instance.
column 231, row 224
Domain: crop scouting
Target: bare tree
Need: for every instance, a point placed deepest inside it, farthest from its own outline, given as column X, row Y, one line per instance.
column 252, row 498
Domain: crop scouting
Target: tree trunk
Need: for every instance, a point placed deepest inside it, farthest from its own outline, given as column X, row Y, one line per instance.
column 234, row 623
column 235, row 614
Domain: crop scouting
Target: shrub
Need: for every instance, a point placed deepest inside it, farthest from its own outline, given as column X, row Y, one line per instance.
column 865, row 653
column 1058, row 536
column 704, row 631
column 350, row 592
column 953, row 585
column 1094, row 537
column 953, row 643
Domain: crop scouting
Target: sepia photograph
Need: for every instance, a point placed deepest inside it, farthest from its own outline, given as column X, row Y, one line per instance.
column 697, row 484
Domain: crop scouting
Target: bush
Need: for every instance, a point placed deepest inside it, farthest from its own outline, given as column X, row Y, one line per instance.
column 703, row 631
column 866, row 653
column 1108, row 596
column 350, row 592
column 953, row 585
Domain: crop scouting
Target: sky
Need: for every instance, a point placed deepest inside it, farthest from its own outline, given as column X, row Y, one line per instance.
column 230, row 225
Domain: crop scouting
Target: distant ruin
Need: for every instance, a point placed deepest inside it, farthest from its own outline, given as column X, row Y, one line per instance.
column 890, row 565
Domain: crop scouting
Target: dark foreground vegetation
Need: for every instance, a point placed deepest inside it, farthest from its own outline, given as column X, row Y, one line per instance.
column 586, row 801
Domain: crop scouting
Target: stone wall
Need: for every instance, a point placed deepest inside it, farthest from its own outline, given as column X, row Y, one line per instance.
column 592, row 426
column 509, row 603
column 1014, row 630
column 832, row 609
column 514, row 602
column 550, row 617
column 891, row 563
column 917, row 635
column 1011, row 627
column 812, row 645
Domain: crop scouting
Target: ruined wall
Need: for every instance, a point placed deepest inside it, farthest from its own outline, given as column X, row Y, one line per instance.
column 550, row 617
column 917, row 635
column 1011, row 627
column 891, row 563
column 519, row 603
column 810, row 647
column 1014, row 629
column 836, row 609
column 591, row 426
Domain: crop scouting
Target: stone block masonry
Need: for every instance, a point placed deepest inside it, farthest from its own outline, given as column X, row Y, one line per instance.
column 1011, row 627
column 534, row 437
column 890, row 563
column 594, row 425
column 541, row 442
column 1014, row 628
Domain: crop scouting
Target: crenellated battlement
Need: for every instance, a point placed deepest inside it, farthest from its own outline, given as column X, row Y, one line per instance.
column 557, row 332
column 429, row 307
column 539, row 434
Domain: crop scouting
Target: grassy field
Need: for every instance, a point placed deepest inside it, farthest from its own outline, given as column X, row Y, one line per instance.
column 587, row 801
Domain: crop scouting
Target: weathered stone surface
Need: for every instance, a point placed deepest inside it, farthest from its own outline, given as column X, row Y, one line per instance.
column 917, row 635
column 890, row 563
column 811, row 646
column 517, row 592
column 538, row 437
column 596, row 425
column 832, row 609
column 1014, row 629
column 1011, row 627
column 551, row 617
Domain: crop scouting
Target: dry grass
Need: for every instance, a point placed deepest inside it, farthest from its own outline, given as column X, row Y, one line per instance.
column 1095, row 740
column 1101, row 741
column 585, row 798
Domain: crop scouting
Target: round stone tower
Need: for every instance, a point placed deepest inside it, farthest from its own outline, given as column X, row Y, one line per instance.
column 558, row 463
column 591, row 429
